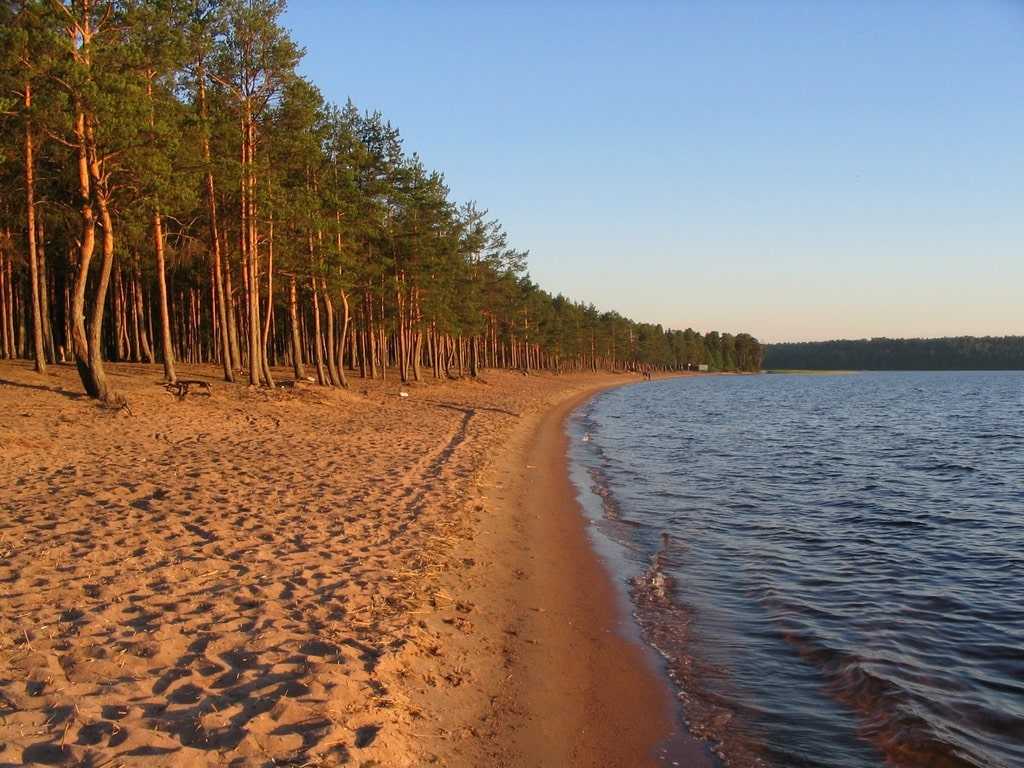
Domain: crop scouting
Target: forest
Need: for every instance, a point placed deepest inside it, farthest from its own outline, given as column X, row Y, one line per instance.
column 173, row 191
column 880, row 354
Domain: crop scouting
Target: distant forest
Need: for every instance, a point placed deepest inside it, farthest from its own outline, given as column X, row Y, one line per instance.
column 951, row 353
column 171, row 189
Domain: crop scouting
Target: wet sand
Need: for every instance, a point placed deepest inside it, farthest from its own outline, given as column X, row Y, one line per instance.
column 307, row 577
column 573, row 690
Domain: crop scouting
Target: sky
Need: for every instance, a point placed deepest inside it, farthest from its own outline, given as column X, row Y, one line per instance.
column 800, row 170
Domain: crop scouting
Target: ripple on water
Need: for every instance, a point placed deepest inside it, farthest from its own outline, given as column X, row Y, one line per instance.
column 830, row 565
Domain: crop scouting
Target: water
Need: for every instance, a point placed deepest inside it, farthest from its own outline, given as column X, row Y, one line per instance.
column 832, row 566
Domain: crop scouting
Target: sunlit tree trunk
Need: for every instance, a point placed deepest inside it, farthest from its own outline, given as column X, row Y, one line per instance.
column 215, row 252
column 293, row 314
column 86, row 247
column 330, row 343
column 166, row 344
column 268, row 377
column 342, row 378
column 400, row 333
column 33, row 261
column 321, row 377
column 233, row 337
column 44, row 287
column 99, row 375
column 249, row 243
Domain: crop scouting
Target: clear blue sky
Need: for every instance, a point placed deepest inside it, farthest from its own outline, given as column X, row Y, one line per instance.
column 799, row 170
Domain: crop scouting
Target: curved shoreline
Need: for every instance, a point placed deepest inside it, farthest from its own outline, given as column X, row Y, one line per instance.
column 580, row 689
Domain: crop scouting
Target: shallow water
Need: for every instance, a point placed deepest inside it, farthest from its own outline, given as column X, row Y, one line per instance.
column 832, row 566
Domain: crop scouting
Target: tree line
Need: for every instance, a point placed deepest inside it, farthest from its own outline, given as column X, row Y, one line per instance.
column 171, row 190
column 881, row 354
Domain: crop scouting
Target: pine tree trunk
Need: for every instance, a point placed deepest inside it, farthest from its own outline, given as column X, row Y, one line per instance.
column 65, row 349
column 161, row 286
column 234, row 342
column 4, row 345
column 100, row 297
column 330, row 343
column 321, row 376
column 33, row 261
column 353, row 343
column 440, row 355
column 20, row 312
column 371, row 337
column 119, row 354
column 136, row 349
column 249, row 243
column 44, row 288
column 417, row 336
column 362, row 349
column 144, row 324
column 417, row 352
column 343, row 380
column 269, row 316
column 293, row 314
column 227, row 360
column 215, row 345
column 400, row 335
column 86, row 247
column 432, row 349
column 526, row 343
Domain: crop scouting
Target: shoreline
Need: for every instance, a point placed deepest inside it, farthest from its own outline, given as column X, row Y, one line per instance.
column 576, row 684
column 310, row 574
column 611, row 695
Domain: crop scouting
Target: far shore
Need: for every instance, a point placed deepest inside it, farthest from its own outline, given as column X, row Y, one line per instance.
column 247, row 577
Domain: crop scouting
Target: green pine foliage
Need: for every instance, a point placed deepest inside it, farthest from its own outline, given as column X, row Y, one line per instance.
column 183, row 124
column 958, row 353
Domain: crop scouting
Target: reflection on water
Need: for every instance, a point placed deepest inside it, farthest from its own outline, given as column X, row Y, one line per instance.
column 833, row 566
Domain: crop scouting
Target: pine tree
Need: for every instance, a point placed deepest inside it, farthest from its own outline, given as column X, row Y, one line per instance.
column 295, row 232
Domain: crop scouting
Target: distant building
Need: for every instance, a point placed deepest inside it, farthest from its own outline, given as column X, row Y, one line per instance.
column 703, row 367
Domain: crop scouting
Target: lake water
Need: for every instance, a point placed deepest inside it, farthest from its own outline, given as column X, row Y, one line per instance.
column 831, row 566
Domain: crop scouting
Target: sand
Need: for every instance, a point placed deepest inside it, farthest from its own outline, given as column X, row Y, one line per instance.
column 307, row 577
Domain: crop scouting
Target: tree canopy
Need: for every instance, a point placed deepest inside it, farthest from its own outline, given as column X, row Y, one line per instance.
column 173, row 190
column 881, row 354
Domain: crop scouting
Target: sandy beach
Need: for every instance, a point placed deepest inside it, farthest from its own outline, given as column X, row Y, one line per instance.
column 307, row 577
